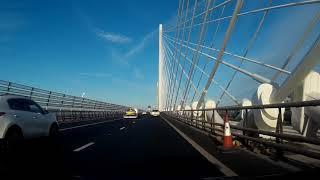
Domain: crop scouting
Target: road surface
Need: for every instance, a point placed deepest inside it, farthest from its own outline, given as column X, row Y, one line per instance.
column 145, row 147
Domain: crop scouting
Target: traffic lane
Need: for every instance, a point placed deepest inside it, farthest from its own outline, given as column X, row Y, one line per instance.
column 79, row 135
column 71, row 138
column 148, row 148
column 45, row 155
column 65, row 124
column 65, row 161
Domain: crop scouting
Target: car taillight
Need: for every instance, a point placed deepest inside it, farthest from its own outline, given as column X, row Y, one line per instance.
column 2, row 113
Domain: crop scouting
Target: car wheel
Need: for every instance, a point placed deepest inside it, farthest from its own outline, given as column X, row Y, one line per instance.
column 13, row 139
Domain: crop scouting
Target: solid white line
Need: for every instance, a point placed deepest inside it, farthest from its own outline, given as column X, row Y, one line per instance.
column 223, row 168
column 89, row 124
column 83, row 147
column 122, row 128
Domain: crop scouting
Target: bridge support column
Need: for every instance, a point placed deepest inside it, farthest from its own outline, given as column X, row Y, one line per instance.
column 161, row 89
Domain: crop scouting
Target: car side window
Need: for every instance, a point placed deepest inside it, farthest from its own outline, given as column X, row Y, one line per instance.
column 34, row 107
column 18, row 104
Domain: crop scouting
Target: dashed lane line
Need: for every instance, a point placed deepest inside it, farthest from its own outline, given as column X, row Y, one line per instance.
column 83, row 147
column 85, row 125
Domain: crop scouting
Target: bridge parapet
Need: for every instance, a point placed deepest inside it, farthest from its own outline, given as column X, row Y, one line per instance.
column 279, row 140
column 66, row 107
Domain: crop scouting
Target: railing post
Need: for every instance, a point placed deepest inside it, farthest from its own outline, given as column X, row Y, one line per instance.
column 203, row 120
column 212, row 121
column 279, row 127
column 177, row 115
column 245, row 121
column 191, row 117
column 61, row 115
column 81, row 117
column 74, row 115
column 31, row 92
column 82, row 100
column 245, row 126
column 48, row 100
column 279, row 130
column 9, row 87
column 73, row 101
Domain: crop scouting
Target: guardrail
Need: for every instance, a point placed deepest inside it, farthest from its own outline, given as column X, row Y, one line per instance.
column 281, row 142
column 66, row 107
column 76, row 116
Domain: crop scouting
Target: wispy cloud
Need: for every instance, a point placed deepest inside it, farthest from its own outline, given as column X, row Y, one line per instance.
column 96, row 75
column 139, row 46
column 124, row 58
column 117, row 57
column 114, row 38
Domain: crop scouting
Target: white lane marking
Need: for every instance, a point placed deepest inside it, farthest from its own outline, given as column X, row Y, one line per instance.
column 122, row 128
column 223, row 168
column 83, row 147
column 64, row 129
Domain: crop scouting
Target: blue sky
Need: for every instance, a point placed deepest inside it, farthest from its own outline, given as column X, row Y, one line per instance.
column 107, row 49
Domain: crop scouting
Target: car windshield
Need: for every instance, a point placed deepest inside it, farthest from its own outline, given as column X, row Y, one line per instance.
column 154, row 110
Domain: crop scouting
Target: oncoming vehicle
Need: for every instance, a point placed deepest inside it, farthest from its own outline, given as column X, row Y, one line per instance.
column 131, row 113
column 155, row 112
column 21, row 118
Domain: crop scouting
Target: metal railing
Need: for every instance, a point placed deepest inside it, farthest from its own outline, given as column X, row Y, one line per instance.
column 278, row 140
column 66, row 107
column 76, row 116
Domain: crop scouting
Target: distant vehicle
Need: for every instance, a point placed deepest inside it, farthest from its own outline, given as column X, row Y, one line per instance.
column 21, row 118
column 131, row 113
column 144, row 113
column 155, row 112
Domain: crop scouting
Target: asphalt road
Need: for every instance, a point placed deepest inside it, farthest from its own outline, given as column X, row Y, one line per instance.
column 143, row 148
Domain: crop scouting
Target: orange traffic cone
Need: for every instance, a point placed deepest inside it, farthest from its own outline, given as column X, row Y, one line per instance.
column 227, row 138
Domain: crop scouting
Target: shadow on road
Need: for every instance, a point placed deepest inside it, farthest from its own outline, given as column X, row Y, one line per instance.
column 41, row 158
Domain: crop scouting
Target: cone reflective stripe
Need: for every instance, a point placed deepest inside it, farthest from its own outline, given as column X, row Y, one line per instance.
column 227, row 129
column 227, row 138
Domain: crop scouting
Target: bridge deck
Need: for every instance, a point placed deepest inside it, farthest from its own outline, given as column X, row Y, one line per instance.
column 144, row 147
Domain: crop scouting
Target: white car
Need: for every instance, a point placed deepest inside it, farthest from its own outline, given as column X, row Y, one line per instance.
column 155, row 112
column 22, row 118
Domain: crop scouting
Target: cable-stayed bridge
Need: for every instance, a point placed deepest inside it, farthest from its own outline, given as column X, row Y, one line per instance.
column 238, row 93
column 238, row 53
